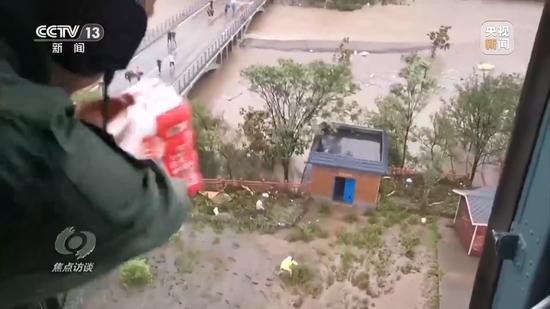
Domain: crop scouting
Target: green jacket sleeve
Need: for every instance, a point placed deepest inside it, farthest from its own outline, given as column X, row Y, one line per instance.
column 56, row 172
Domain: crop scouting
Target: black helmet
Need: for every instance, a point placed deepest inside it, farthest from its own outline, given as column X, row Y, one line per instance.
column 124, row 22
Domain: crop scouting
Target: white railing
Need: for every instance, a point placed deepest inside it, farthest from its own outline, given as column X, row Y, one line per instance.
column 185, row 79
column 158, row 31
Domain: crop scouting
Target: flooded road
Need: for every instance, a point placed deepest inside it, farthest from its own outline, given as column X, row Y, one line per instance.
column 225, row 91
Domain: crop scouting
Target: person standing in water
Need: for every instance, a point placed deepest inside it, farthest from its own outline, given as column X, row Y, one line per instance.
column 159, row 65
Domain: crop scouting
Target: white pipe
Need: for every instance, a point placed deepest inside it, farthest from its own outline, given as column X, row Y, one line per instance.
column 472, row 242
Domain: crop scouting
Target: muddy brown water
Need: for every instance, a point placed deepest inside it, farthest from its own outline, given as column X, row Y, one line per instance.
column 226, row 91
column 238, row 272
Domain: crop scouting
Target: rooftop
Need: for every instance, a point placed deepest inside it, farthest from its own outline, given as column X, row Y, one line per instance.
column 480, row 203
column 352, row 147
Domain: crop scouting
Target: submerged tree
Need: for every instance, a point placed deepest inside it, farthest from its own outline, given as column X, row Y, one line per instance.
column 440, row 39
column 391, row 118
column 439, row 138
column 296, row 96
column 396, row 113
column 219, row 147
column 343, row 53
column 482, row 115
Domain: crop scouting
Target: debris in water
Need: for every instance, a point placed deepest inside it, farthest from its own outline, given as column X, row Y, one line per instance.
column 209, row 194
column 485, row 67
column 259, row 205
column 216, row 211
column 265, row 194
column 364, row 54
column 287, row 263
column 247, row 189
column 423, row 220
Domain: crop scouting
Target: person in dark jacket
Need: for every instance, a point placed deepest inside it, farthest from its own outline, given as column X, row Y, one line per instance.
column 69, row 195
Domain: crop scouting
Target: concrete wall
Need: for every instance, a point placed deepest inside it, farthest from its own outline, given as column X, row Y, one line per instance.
column 366, row 190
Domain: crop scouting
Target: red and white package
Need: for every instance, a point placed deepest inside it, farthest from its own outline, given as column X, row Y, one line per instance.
column 158, row 126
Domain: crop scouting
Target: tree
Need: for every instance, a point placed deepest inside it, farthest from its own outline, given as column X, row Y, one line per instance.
column 219, row 147
column 431, row 165
column 207, row 130
column 343, row 53
column 295, row 96
column 391, row 118
column 405, row 101
column 439, row 138
column 440, row 39
column 482, row 115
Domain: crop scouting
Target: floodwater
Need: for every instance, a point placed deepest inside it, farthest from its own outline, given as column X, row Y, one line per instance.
column 225, row 91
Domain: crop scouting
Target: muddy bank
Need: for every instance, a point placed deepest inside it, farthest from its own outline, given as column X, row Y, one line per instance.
column 325, row 46
column 201, row 268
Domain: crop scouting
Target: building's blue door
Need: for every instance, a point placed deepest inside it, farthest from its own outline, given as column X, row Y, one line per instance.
column 349, row 191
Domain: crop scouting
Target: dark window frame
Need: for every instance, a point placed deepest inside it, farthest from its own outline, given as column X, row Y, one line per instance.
column 530, row 113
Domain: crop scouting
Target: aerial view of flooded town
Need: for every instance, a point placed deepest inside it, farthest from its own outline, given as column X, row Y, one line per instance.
column 340, row 142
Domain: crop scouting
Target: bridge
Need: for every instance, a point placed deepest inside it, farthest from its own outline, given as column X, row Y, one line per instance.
column 202, row 44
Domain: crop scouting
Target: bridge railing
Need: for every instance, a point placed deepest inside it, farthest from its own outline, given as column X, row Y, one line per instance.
column 158, row 31
column 186, row 78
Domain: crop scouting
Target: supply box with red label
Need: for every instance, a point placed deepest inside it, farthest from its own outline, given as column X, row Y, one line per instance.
column 158, row 126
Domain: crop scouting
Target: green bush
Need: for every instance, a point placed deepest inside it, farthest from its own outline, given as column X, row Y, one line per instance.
column 304, row 279
column 373, row 219
column 361, row 281
column 185, row 263
column 351, row 217
column 369, row 237
column 409, row 268
column 347, row 5
column 369, row 212
column 391, row 212
column 347, row 260
column 301, row 274
column 325, row 208
column 434, row 233
column 306, row 233
column 136, row 273
column 409, row 241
